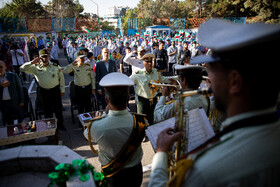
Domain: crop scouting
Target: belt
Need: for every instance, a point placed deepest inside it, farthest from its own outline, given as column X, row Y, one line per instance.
column 83, row 86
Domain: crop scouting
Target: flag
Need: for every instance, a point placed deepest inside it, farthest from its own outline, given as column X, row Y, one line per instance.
column 146, row 34
column 181, row 31
column 177, row 36
column 85, row 30
column 155, row 34
column 137, row 34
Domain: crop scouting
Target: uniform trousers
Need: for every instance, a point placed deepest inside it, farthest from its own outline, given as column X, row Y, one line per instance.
column 10, row 112
column 83, row 94
column 144, row 106
column 17, row 71
column 51, row 99
column 170, row 67
column 127, row 177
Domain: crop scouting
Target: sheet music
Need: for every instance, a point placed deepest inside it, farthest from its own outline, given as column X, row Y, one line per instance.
column 200, row 129
column 153, row 131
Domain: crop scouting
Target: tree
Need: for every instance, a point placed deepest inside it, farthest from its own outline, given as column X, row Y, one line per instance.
column 129, row 14
column 105, row 25
column 64, row 8
column 23, row 9
column 265, row 10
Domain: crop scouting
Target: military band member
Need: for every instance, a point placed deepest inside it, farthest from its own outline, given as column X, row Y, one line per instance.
column 246, row 151
column 84, row 80
column 51, row 84
column 146, row 97
column 190, row 78
column 119, row 134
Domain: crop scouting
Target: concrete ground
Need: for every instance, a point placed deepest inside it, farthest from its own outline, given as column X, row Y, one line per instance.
column 73, row 136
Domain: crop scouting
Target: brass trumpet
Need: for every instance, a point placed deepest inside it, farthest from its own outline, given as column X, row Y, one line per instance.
column 152, row 83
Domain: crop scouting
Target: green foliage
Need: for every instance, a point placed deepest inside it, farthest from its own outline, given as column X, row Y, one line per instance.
column 23, row 9
column 64, row 8
column 161, row 9
column 105, row 25
column 129, row 14
column 263, row 10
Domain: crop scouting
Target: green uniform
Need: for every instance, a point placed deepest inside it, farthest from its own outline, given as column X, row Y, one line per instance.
column 146, row 98
column 51, row 84
column 83, row 75
column 142, row 78
column 164, row 111
column 48, row 76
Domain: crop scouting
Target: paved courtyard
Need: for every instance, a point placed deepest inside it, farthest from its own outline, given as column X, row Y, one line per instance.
column 73, row 137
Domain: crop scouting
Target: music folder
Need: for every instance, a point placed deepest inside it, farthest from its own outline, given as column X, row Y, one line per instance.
column 200, row 129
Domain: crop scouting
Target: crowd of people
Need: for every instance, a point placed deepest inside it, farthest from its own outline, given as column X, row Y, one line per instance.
column 110, row 67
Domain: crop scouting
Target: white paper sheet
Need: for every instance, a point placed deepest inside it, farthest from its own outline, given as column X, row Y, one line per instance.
column 200, row 129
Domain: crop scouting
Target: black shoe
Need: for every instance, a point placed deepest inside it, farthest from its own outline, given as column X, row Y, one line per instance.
column 62, row 128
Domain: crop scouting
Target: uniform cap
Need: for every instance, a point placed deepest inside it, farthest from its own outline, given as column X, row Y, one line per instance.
column 228, row 38
column 148, row 57
column 116, row 79
column 82, row 56
column 43, row 52
column 188, row 67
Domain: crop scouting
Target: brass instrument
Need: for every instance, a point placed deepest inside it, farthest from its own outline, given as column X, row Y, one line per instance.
column 155, row 86
column 97, row 115
column 152, row 83
column 182, row 123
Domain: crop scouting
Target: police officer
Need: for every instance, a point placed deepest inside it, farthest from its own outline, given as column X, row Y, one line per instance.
column 119, row 134
column 84, row 81
column 51, row 84
column 146, row 97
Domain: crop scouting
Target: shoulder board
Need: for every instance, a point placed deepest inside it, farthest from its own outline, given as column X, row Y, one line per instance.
column 137, row 72
column 75, row 64
column 87, row 64
column 134, row 113
column 55, row 64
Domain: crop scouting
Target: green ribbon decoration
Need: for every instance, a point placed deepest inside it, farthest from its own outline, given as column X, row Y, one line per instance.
column 63, row 172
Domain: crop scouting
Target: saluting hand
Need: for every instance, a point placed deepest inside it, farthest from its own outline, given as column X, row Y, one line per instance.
column 36, row 60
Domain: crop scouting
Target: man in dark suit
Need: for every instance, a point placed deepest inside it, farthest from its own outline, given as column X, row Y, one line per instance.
column 11, row 96
column 102, row 68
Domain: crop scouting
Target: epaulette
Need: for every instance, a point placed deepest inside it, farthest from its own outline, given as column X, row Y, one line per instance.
column 60, row 70
column 55, row 64
column 88, row 64
column 138, row 114
column 137, row 72
column 75, row 64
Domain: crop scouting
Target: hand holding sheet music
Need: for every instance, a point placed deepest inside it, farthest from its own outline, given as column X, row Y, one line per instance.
column 200, row 129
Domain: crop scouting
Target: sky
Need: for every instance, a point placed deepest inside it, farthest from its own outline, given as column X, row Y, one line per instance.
column 91, row 7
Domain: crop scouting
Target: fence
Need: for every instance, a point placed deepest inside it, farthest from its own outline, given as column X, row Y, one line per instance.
column 15, row 25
